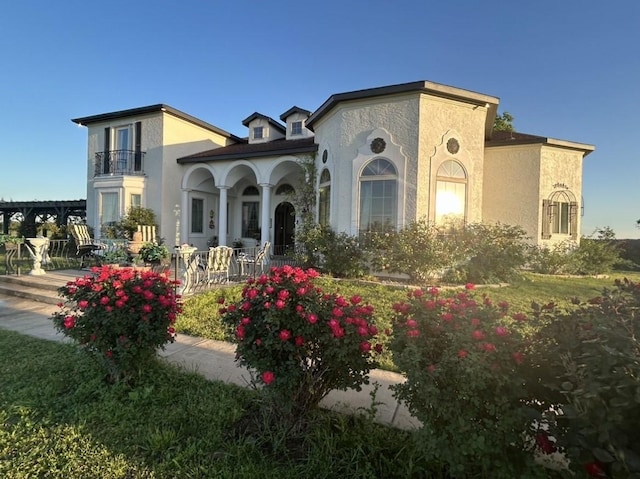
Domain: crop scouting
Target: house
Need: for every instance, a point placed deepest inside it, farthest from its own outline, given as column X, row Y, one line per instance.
column 384, row 157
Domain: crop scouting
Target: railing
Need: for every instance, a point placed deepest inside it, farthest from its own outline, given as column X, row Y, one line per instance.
column 119, row 162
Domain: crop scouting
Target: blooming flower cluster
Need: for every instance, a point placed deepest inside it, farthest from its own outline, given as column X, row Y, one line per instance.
column 462, row 356
column 119, row 315
column 300, row 341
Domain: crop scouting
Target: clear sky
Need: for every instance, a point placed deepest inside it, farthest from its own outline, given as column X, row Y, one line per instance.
column 566, row 69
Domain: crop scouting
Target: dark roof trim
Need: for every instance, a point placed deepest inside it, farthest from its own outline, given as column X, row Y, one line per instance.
column 161, row 107
column 419, row 86
column 237, row 152
column 292, row 110
column 510, row 138
column 270, row 120
column 431, row 88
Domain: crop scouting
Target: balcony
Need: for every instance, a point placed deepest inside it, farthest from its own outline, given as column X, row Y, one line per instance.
column 119, row 163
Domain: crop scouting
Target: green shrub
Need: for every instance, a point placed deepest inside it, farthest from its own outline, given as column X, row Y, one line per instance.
column 592, row 370
column 463, row 359
column 418, row 250
column 550, row 260
column 301, row 342
column 120, row 316
column 597, row 253
column 128, row 224
column 492, row 253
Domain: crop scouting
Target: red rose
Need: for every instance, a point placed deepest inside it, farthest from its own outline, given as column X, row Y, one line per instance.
column 268, row 377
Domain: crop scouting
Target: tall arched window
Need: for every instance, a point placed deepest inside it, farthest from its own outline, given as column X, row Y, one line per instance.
column 451, row 194
column 324, row 202
column 378, row 197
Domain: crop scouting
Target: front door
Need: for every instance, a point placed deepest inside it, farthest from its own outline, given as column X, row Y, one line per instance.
column 284, row 224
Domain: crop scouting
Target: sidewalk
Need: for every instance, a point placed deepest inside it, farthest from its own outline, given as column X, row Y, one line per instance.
column 214, row 360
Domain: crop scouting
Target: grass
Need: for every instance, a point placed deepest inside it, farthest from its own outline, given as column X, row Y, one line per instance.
column 201, row 318
column 58, row 419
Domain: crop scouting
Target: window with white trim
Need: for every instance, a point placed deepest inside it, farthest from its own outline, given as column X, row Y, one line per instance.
column 197, row 215
column 378, row 197
column 451, row 194
column 560, row 215
column 258, row 132
column 109, row 208
column 324, row 201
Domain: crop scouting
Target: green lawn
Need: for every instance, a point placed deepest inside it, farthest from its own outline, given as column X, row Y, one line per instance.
column 58, row 419
column 201, row 318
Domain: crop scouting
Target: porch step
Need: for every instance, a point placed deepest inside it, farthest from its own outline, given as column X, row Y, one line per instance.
column 43, row 289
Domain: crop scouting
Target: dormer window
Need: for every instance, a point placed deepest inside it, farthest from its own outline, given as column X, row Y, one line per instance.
column 296, row 128
column 258, row 132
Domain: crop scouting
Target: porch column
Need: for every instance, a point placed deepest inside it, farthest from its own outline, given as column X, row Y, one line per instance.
column 222, row 216
column 265, row 223
column 184, row 217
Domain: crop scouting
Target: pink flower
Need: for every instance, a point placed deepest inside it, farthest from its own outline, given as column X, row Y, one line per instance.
column 448, row 317
column 413, row 333
column 462, row 354
column 518, row 357
column 411, row 323
column 258, row 342
column 240, row 333
column 280, row 304
column 299, row 341
column 104, row 300
column 82, row 304
column 470, row 286
column 477, row 335
column 244, row 321
column 284, row 335
column 365, row 346
column 69, row 322
column 147, row 308
column 268, row 377
column 312, row 318
column 501, row 331
column 488, row 347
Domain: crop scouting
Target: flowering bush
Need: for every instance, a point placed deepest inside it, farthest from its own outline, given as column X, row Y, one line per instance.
column 592, row 371
column 119, row 316
column 300, row 342
column 462, row 359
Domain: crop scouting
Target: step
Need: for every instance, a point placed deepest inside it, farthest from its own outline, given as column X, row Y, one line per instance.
column 42, row 288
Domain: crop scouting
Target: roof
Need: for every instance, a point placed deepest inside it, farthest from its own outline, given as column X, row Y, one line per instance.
column 292, row 110
column 431, row 88
column 270, row 120
column 509, row 138
column 254, row 150
column 160, row 107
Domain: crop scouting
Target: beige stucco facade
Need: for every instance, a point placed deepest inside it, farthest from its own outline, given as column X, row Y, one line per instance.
column 431, row 140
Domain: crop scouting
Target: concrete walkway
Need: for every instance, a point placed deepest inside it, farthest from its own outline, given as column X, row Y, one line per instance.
column 215, row 361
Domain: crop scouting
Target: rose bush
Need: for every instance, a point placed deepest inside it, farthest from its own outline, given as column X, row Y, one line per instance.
column 300, row 342
column 120, row 316
column 463, row 359
column 591, row 369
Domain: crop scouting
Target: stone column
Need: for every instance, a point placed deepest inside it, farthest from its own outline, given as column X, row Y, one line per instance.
column 265, row 222
column 222, row 216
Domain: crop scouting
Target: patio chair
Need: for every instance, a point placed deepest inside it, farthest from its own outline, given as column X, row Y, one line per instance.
column 218, row 263
column 259, row 260
column 86, row 246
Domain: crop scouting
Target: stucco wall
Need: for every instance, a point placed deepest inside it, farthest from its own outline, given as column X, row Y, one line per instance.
column 512, row 189
column 440, row 120
column 344, row 131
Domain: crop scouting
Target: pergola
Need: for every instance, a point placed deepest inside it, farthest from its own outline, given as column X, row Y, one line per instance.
column 33, row 212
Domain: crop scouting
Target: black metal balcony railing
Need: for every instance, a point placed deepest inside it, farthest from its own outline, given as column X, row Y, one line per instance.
column 119, row 162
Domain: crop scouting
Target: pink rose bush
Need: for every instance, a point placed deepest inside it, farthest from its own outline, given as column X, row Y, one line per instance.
column 119, row 316
column 463, row 358
column 301, row 342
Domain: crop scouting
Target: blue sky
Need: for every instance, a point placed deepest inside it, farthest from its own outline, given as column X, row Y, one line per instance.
column 566, row 69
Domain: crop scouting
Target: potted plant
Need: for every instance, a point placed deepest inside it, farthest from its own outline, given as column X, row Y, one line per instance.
column 153, row 253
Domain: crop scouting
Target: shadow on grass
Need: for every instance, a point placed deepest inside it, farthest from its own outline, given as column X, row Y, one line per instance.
column 59, row 419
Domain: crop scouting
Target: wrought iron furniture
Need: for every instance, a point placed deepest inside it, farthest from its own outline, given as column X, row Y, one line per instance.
column 86, row 246
column 218, row 264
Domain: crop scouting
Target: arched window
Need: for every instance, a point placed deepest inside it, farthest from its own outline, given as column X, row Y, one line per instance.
column 451, row 194
column 324, row 202
column 378, row 197
column 560, row 214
